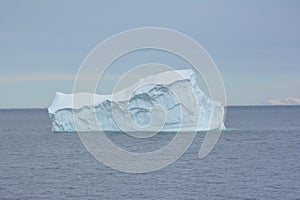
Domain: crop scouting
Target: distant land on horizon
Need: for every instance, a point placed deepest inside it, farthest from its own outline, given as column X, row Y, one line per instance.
column 286, row 101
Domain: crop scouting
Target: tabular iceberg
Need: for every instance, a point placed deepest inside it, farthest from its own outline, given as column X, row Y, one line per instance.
column 165, row 101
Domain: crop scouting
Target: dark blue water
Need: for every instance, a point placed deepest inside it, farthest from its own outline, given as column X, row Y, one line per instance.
column 258, row 158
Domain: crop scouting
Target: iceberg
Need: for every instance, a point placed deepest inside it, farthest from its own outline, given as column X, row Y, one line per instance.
column 168, row 102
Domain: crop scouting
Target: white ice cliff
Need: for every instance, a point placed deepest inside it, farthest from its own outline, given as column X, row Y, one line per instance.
column 165, row 101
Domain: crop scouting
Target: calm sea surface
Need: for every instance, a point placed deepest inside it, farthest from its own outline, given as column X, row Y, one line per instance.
column 257, row 158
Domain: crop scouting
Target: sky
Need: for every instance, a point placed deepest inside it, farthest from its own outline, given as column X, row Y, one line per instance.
column 255, row 44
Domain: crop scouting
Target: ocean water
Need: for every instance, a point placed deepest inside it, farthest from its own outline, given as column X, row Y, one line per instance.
column 258, row 157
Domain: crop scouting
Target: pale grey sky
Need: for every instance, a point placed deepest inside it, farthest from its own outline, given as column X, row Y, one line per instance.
column 255, row 44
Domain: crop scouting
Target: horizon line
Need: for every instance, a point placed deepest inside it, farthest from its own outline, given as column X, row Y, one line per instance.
column 236, row 105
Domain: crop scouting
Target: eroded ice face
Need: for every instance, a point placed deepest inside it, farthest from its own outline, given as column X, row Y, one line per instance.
column 164, row 102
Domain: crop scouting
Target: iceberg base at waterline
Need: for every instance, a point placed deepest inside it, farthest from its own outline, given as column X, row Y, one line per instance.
column 168, row 102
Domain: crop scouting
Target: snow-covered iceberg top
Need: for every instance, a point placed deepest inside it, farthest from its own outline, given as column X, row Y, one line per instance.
column 168, row 101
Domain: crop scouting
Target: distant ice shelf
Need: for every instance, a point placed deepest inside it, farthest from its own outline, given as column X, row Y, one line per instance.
column 140, row 108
